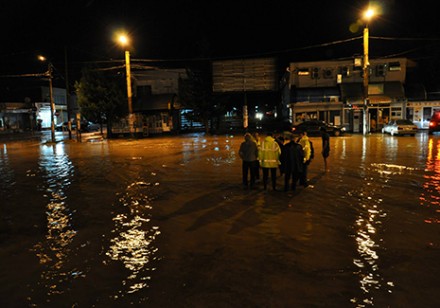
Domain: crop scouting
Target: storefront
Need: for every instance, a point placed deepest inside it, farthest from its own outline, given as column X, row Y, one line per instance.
column 17, row 117
column 330, row 112
column 420, row 112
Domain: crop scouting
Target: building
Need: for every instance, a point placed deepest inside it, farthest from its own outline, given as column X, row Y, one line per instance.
column 251, row 89
column 155, row 102
column 332, row 91
column 31, row 106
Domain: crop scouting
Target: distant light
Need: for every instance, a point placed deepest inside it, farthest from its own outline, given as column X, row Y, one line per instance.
column 303, row 72
column 259, row 115
column 41, row 58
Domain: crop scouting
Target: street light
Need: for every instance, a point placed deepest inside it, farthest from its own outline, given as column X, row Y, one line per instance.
column 124, row 41
column 49, row 74
column 368, row 15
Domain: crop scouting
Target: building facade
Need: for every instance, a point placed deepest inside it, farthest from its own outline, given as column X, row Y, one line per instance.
column 155, row 102
column 333, row 91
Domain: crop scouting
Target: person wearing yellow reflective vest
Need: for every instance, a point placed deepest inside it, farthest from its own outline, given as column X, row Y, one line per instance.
column 269, row 157
column 305, row 143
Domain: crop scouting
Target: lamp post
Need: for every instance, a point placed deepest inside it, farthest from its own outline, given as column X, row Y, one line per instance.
column 366, row 70
column 49, row 74
column 123, row 40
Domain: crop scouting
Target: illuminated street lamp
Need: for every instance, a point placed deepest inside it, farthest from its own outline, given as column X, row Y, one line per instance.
column 124, row 41
column 368, row 15
column 49, row 74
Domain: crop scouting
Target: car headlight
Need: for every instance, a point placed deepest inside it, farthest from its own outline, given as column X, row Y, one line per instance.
column 343, row 129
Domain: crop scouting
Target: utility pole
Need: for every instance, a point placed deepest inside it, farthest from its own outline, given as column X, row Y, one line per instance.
column 52, row 103
column 66, row 78
column 366, row 71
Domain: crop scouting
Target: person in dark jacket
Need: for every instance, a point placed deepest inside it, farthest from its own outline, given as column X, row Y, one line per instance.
column 325, row 146
column 249, row 154
column 280, row 141
column 293, row 158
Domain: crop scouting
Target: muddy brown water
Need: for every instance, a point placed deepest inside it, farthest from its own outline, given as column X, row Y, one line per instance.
column 165, row 222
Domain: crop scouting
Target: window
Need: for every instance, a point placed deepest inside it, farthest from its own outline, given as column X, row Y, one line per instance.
column 303, row 72
column 394, row 66
column 381, row 70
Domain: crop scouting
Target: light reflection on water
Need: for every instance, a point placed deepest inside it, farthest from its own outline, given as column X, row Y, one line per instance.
column 7, row 173
column 367, row 228
column 57, row 171
column 430, row 197
column 403, row 165
column 133, row 243
column 221, row 154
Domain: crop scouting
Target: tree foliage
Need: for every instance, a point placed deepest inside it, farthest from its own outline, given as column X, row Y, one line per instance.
column 100, row 97
column 196, row 93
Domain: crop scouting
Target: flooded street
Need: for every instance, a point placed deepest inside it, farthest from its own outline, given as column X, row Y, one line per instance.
column 165, row 222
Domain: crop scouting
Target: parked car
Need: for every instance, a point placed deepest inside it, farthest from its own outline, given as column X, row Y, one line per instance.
column 313, row 128
column 434, row 123
column 90, row 127
column 86, row 126
column 63, row 127
column 400, row 127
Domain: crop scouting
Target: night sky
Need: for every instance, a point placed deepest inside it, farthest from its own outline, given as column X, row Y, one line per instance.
column 164, row 30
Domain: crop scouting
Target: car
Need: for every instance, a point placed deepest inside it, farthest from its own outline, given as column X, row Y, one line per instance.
column 313, row 128
column 86, row 126
column 400, row 127
column 434, row 123
column 63, row 127
column 90, row 127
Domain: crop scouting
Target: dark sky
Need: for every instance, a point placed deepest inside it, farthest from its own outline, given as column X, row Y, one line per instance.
column 164, row 29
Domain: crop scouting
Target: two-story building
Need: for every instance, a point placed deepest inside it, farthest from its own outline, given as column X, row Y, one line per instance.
column 155, row 102
column 333, row 91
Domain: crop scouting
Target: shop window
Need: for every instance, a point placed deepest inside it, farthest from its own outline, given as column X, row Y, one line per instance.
column 394, row 66
column 381, row 70
column 303, row 72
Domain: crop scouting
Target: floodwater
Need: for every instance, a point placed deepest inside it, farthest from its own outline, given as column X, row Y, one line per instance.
column 165, row 222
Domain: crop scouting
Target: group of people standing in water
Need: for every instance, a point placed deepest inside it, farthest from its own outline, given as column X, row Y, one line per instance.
column 285, row 153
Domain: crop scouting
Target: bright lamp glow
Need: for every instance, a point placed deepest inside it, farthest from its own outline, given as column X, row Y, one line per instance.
column 123, row 39
column 369, row 13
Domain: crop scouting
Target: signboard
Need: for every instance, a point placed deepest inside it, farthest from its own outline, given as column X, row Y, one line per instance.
column 244, row 75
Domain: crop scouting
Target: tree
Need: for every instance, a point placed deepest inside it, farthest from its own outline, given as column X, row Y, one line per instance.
column 196, row 93
column 100, row 98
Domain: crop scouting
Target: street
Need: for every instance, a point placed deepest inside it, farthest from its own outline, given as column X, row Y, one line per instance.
column 165, row 222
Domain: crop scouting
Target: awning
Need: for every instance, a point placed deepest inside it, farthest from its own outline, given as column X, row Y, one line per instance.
column 379, row 99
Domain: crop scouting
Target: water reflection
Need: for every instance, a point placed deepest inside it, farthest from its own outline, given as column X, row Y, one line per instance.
column 133, row 243
column 430, row 197
column 6, row 171
column 221, row 154
column 56, row 172
column 368, row 234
